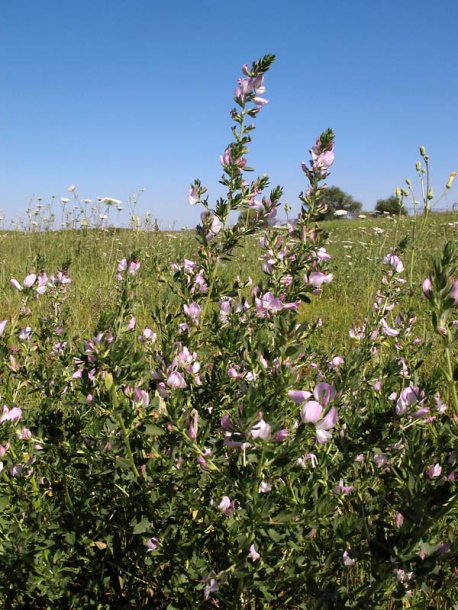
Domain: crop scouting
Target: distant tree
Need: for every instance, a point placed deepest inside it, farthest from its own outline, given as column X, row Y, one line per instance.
column 337, row 199
column 391, row 205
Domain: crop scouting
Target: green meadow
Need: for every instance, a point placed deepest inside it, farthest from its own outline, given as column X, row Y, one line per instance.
column 357, row 248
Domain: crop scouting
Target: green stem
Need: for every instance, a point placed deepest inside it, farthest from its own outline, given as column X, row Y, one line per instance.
column 64, row 480
column 450, row 378
column 127, row 443
column 125, row 432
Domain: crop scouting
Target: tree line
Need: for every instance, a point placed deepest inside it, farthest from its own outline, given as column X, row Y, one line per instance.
column 338, row 203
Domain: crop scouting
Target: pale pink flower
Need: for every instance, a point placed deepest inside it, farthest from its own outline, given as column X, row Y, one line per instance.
column 408, row 397
column 152, row 544
column 394, row 262
column 336, row 362
column 226, row 505
column 29, row 280
column 261, row 430
column 324, row 393
column 326, row 424
column 453, row 294
column 435, row 471
column 342, row 489
column 347, row 560
column 387, row 331
column 15, row 284
column 308, row 456
column 13, row 415
column 193, row 311
column 193, row 196
column 281, row 435
column 427, row 288
column 254, row 556
column 265, row 486
column 299, row 396
column 140, row 397
column 381, row 459
column 211, row 588
column 311, row 412
column 317, row 278
column 176, row 380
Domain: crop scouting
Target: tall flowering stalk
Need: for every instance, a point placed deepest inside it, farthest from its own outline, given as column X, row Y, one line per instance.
column 216, row 237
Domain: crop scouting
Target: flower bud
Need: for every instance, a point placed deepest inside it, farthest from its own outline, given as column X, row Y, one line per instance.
column 450, row 180
column 418, row 166
column 408, row 182
column 430, row 194
column 405, row 192
column 422, row 151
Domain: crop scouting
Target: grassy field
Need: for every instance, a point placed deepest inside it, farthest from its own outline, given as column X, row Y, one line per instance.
column 168, row 453
column 357, row 248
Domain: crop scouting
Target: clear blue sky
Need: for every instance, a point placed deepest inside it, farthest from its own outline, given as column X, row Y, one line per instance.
column 116, row 95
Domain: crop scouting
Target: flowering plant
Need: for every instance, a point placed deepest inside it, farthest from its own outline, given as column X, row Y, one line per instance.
column 219, row 457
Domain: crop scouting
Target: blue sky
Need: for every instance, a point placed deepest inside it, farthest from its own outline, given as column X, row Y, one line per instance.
column 115, row 96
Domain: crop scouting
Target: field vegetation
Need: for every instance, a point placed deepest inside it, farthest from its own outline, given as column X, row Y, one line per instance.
column 240, row 416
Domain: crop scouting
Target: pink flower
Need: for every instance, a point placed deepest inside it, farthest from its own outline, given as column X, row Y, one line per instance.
column 211, row 588
column 192, row 432
column 15, row 284
column 324, row 393
column 381, row 459
column 149, row 335
column 299, row 396
column 226, row 505
column 408, row 397
column 193, row 196
column 261, row 430
column 267, row 304
column 140, row 397
column 265, row 486
column 176, row 380
column 347, row 560
column 152, row 544
column 193, row 311
column 311, row 412
column 453, row 294
column 326, row 424
column 281, row 435
column 387, row 331
column 335, row 362
column 394, row 262
column 254, row 556
column 316, row 279
column 342, row 489
column 435, row 471
column 308, row 456
column 25, row 333
column 13, row 415
column 29, row 280
column 202, row 462
column 427, row 288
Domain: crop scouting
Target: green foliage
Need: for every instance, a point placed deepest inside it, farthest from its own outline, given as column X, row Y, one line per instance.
column 336, row 199
column 391, row 205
